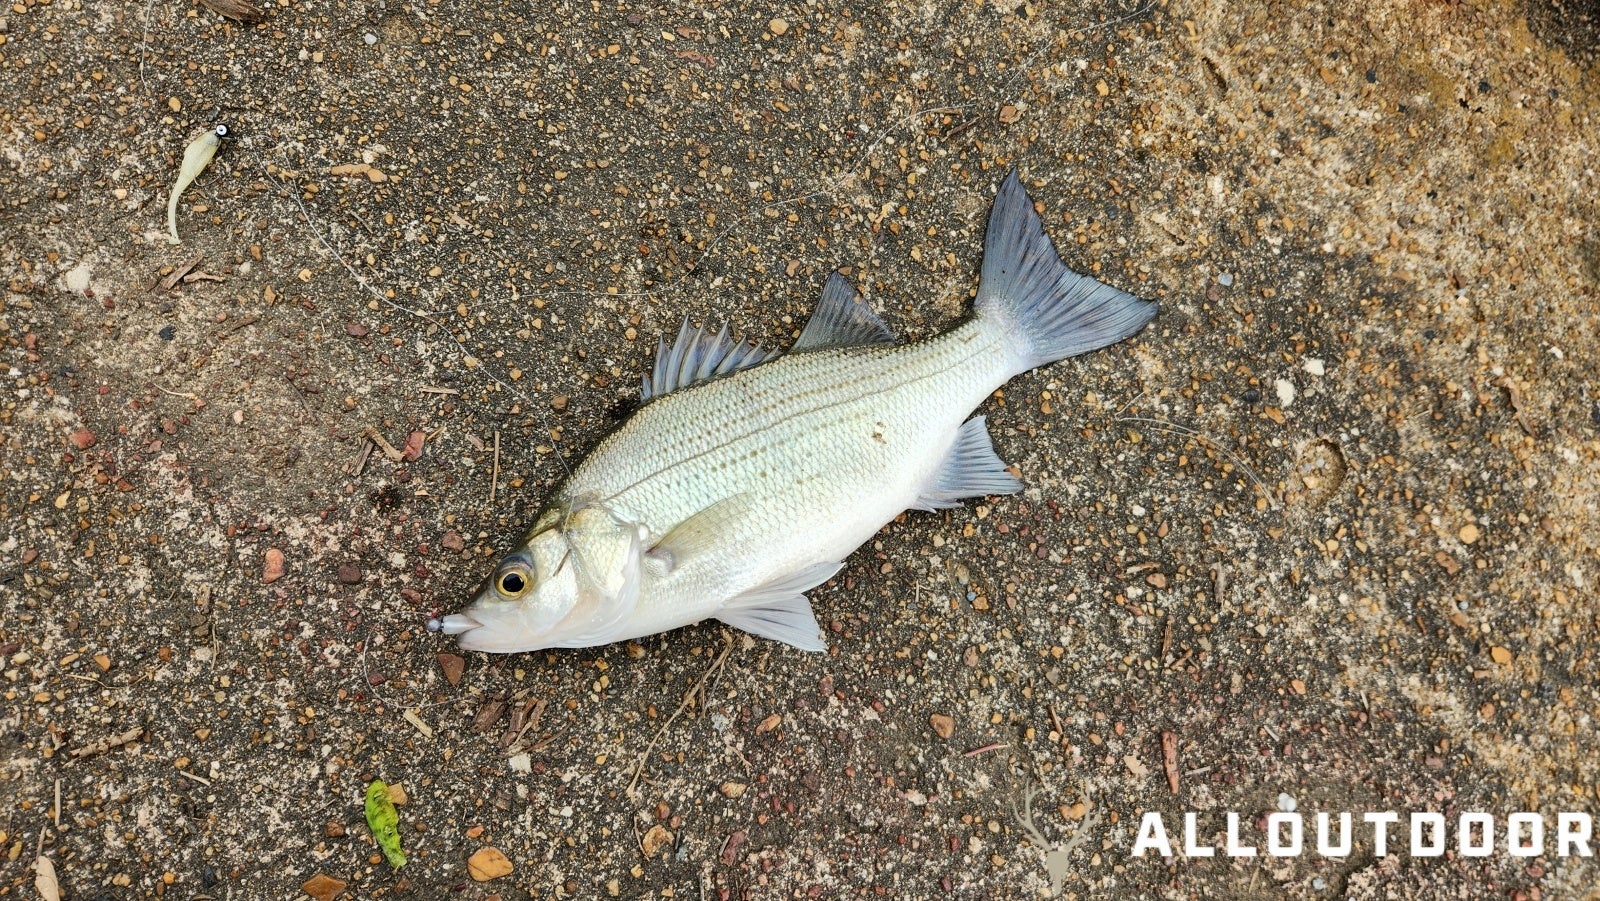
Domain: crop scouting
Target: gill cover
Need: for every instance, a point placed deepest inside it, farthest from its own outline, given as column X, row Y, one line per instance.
column 572, row 583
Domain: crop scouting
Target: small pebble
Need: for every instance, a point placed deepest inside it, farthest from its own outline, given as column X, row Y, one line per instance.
column 1469, row 533
column 349, row 573
column 452, row 541
column 1225, row 279
column 82, row 439
column 778, row 27
column 273, row 569
column 1286, row 802
column 452, row 666
column 656, row 840
column 943, row 726
column 370, row 38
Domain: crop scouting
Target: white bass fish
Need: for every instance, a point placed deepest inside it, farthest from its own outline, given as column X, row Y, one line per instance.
column 747, row 478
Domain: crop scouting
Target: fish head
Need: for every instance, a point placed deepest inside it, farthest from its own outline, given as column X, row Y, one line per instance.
column 571, row 583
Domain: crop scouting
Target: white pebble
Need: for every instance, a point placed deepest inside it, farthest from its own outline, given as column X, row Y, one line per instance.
column 1314, row 366
column 1286, row 803
column 1286, row 391
column 370, row 38
column 1225, row 279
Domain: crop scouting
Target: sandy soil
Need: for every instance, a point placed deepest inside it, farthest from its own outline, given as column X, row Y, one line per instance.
column 1330, row 523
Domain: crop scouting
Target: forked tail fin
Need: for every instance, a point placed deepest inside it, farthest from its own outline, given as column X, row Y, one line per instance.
column 1048, row 311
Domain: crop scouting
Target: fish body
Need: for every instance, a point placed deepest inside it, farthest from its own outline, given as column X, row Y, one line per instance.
column 746, row 480
column 196, row 157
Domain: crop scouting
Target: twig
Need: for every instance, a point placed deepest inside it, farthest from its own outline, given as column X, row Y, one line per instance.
column 188, row 394
column 638, row 766
column 985, row 749
column 200, row 779
column 429, row 389
column 494, row 477
column 144, row 41
column 1174, row 428
column 106, row 744
column 389, row 450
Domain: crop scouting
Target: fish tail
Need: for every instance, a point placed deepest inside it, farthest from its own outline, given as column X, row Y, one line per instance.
column 1046, row 310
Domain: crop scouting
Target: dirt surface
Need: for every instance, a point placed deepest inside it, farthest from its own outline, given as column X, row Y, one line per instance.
column 1331, row 521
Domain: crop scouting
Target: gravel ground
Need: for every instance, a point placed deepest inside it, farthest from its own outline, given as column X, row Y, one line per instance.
column 1326, row 532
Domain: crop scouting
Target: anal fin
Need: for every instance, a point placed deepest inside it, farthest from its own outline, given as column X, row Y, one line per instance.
column 970, row 469
column 779, row 610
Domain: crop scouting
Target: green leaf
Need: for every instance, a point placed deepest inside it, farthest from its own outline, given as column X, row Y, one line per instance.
column 384, row 821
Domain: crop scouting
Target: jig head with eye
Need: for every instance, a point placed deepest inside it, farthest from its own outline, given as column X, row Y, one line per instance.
column 196, row 157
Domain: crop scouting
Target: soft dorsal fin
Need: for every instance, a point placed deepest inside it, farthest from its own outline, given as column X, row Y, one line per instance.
column 840, row 321
column 697, row 356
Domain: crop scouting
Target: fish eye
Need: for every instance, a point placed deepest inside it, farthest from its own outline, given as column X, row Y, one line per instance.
column 222, row 131
column 512, row 583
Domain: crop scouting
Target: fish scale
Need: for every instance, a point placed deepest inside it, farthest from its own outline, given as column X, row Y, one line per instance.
column 745, row 481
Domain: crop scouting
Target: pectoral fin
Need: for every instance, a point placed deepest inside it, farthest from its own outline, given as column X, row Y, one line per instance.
column 701, row 532
column 780, row 610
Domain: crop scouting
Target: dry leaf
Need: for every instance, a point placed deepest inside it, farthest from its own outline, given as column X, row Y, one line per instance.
column 323, row 887
column 44, row 879
column 488, row 863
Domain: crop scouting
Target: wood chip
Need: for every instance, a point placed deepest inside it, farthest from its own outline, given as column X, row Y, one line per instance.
column 770, row 723
column 171, row 281
column 323, row 887
column 416, row 720
column 236, row 9
column 489, row 713
column 488, row 863
column 1169, row 759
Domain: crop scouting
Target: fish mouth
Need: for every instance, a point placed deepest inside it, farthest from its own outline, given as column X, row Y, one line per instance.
column 454, row 624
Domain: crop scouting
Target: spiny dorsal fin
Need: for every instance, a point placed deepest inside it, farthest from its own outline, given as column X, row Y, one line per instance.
column 840, row 321
column 697, row 356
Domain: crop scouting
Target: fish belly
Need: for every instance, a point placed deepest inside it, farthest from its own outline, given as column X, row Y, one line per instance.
column 817, row 451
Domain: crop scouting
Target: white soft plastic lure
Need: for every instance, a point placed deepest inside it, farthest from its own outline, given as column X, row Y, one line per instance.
column 196, row 157
column 747, row 478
